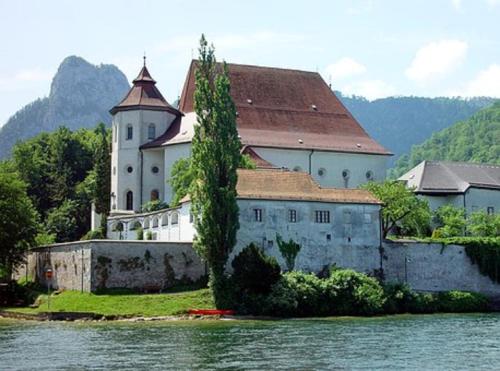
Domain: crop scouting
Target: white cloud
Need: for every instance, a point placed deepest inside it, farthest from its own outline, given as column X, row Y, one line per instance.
column 345, row 67
column 34, row 74
column 486, row 83
column 436, row 59
column 370, row 89
column 457, row 5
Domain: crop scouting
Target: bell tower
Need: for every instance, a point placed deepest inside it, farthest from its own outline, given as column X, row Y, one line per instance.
column 141, row 117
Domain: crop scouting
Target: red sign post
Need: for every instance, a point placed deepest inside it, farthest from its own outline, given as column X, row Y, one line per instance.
column 48, row 277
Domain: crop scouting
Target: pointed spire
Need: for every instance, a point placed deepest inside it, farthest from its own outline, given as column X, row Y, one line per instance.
column 144, row 57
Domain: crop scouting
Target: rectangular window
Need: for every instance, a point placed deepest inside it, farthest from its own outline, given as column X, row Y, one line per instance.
column 130, row 132
column 490, row 210
column 322, row 216
column 257, row 215
column 292, row 216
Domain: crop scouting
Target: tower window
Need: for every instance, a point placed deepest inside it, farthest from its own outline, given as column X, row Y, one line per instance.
column 151, row 131
column 130, row 201
column 292, row 216
column 130, row 132
column 155, row 170
column 130, row 169
column 154, row 195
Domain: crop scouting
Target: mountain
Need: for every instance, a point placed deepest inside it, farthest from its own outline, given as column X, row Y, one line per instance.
column 81, row 95
column 400, row 122
column 474, row 140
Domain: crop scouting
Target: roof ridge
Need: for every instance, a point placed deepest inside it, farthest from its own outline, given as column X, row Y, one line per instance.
column 264, row 67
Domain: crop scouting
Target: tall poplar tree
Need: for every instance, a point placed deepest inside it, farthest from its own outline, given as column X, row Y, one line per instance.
column 215, row 158
column 102, row 169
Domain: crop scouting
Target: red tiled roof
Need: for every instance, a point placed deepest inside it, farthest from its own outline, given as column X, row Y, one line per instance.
column 288, row 109
column 266, row 184
column 144, row 95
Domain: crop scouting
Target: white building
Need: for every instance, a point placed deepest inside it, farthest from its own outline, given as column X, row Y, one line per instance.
column 330, row 225
column 473, row 187
column 288, row 118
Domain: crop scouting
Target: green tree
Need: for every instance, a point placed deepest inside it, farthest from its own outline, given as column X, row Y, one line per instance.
column 62, row 221
column 18, row 221
column 450, row 221
column 400, row 206
column 181, row 179
column 216, row 155
column 102, row 170
column 480, row 224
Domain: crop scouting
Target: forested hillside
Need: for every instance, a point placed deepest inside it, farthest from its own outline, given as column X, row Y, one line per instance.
column 400, row 122
column 81, row 95
column 474, row 140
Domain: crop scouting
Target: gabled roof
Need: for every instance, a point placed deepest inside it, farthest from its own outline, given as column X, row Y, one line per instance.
column 285, row 185
column 144, row 95
column 260, row 163
column 285, row 108
column 451, row 177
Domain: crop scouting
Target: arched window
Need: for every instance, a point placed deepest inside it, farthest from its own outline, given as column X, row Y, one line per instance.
column 164, row 219
column 146, row 223
column 175, row 218
column 134, row 225
column 130, row 132
column 155, row 195
column 155, row 222
column 151, row 131
column 130, row 201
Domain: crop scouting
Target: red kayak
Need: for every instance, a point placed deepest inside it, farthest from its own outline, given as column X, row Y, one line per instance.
column 211, row 312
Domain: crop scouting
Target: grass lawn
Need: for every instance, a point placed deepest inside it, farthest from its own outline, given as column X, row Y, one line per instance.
column 124, row 304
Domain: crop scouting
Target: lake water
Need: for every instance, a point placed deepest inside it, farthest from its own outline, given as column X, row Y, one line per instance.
column 433, row 342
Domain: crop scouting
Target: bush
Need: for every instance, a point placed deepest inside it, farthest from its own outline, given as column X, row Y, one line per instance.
column 140, row 234
column 97, row 234
column 461, row 302
column 356, row 293
column 450, row 221
column 309, row 293
column 153, row 206
column 399, row 298
column 253, row 271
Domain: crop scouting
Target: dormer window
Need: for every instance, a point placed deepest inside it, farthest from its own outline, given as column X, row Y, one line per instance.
column 130, row 132
column 151, row 131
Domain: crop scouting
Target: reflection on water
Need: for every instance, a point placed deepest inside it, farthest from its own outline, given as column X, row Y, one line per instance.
column 410, row 342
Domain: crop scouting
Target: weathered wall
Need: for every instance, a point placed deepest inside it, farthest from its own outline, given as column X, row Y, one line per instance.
column 432, row 267
column 143, row 264
column 91, row 265
column 70, row 264
column 350, row 240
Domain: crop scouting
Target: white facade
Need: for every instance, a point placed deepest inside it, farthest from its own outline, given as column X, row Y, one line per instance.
column 131, row 168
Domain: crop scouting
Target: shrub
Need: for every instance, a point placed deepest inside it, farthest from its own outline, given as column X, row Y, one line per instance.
column 450, row 221
column 281, row 301
column 356, row 293
column 460, row 302
column 154, row 205
column 399, row 298
column 481, row 224
column 309, row 293
column 149, row 235
column 254, row 274
column 140, row 234
column 97, row 234
column 253, row 271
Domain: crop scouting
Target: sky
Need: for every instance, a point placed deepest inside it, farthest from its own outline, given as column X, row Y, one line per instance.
column 364, row 47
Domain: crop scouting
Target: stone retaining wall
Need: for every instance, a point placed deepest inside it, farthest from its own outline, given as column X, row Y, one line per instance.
column 103, row 264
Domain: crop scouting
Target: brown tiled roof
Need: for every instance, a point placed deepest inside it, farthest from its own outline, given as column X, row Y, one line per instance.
column 260, row 163
column 288, row 109
column 291, row 185
column 266, row 184
column 144, row 95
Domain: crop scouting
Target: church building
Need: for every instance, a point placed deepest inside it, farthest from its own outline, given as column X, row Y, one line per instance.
column 311, row 156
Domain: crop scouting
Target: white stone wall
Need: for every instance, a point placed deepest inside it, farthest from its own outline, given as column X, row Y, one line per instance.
column 350, row 240
column 434, row 267
column 153, row 158
column 331, row 164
